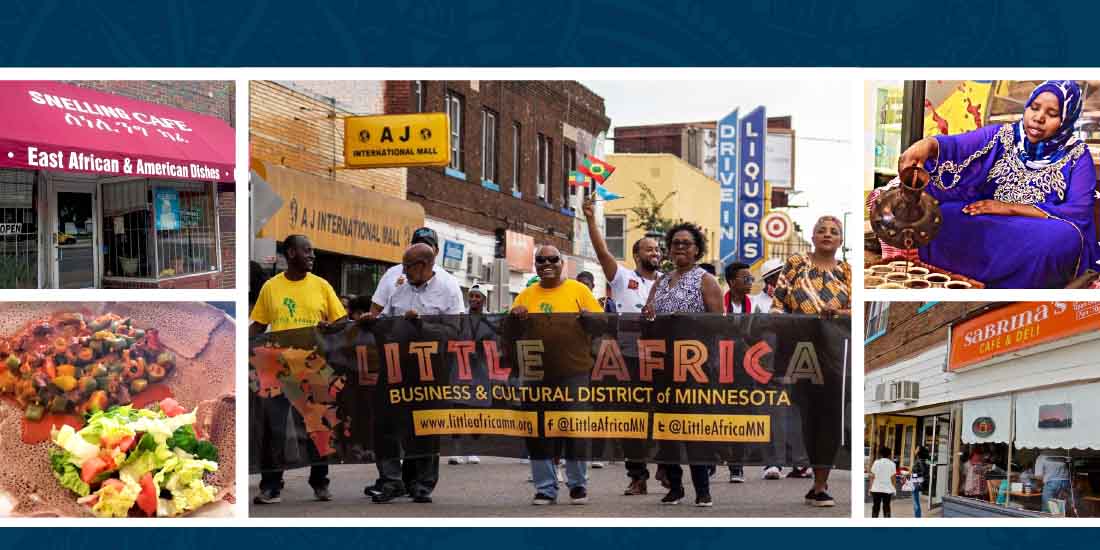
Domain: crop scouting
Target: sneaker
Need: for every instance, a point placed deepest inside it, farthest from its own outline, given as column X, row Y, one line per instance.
column 800, row 472
column 267, row 497
column 636, row 487
column 823, row 499
column 456, row 460
column 598, row 465
column 809, row 498
column 737, row 478
column 578, row 495
column 387, row 495
column 771, row 472
column 674, row 496
column 322, row 494
column 542, row 499
column 422, row 499
column 704, row 500
column 473, row 459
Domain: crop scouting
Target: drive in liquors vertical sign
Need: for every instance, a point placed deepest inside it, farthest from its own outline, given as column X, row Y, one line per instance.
column 727, row 180
column 750, row 183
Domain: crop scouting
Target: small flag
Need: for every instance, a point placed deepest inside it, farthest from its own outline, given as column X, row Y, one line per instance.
column 596, row 169
column 605, row 194
column 577, row 178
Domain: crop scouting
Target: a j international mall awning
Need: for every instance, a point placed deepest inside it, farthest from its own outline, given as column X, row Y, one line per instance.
column 57, row 126
column 337, row 216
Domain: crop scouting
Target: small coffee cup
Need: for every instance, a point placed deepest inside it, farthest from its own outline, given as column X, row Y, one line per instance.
column 901, row 266
column 918, row 284
column 889, row 286
column 917, row 272
column 868, row 272
column 896, row 277
column 937, row 280
column 881, row 269
column 872, row 282
column 958, row 284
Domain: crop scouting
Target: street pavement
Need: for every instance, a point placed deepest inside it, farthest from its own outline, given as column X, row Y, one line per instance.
column 902, row 507
column 497, row 488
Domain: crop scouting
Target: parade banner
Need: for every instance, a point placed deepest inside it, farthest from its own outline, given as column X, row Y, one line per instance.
column 691, row 388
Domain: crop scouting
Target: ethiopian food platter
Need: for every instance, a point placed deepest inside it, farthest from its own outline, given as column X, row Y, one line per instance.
column 116, row 410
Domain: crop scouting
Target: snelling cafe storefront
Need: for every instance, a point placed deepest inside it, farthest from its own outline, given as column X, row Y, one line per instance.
column 1022, row 381
column 356, row 233
column 99, row 190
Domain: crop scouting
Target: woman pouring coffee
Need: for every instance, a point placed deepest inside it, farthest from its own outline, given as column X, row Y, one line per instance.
column 1017, row 199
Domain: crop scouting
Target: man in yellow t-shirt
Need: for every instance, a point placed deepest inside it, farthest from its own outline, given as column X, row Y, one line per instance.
column 293, row 299
column 565, row 345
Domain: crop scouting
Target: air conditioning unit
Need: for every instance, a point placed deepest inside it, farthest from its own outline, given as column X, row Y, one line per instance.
column 880, row 392
column 473, row 265
column 904, row 390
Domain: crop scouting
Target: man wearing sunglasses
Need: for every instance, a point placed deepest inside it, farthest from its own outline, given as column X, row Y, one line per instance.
column 629, row 293
column 564, row 344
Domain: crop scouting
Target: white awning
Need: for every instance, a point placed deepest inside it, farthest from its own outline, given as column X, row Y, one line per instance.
column 997, row 409
column 1083, row 430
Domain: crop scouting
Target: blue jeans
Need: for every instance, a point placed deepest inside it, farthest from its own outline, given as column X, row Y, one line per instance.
column 1051, row 489
column 546, row 478
column 916, row 500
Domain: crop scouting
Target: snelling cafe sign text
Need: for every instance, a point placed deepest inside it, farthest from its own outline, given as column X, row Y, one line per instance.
column 392, row 141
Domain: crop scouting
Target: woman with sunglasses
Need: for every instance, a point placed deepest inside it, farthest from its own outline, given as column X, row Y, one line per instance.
column 686, row 289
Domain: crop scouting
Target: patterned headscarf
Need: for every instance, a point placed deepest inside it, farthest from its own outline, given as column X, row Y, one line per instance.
column 1038, row 155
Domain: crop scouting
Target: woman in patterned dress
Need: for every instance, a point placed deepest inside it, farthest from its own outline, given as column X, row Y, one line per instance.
column 686, row 289
column 817, row 284
column 1018, row 200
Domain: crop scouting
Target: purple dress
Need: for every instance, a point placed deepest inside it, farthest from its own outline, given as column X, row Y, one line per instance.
column 1012, row 251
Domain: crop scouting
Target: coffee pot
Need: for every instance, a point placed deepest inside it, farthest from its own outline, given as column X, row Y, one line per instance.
column 906, row 216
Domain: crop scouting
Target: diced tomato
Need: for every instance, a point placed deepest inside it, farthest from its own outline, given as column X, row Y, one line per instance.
column 123, row 442
column 147, row 498
column 170, row 407
column 92, row 468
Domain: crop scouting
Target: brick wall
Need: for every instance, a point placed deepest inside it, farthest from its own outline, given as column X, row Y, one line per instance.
column 304, row 131
column 908, row 332
column 658, row 138
column 539, row 107
column 216, row 98
column 227, row 200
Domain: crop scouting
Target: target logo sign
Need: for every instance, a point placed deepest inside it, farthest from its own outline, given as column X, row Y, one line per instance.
column 777, row 226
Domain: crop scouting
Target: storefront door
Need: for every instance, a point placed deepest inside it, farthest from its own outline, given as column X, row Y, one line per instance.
column 74, row 236
column 940, row 463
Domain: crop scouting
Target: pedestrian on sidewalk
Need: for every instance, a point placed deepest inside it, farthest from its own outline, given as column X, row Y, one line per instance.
column 917, row 477
column 882, row 488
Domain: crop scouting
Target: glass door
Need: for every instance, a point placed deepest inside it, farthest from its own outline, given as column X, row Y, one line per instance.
column 940, row 463
column 74, row 239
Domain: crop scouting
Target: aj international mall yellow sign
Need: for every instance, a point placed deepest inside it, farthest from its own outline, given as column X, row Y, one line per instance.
column 387, row 141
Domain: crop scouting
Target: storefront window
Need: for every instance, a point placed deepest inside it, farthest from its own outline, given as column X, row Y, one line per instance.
column 18, row 230
column 158, row 229
column 361, row 277
column 1048, row 462
column 1009, row 96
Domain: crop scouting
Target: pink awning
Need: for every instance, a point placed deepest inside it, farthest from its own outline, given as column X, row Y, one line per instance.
column 56, row 126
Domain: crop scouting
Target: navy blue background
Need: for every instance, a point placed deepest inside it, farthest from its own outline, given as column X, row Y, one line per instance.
column 919, row 538
column 420, row 33
column 228, row 33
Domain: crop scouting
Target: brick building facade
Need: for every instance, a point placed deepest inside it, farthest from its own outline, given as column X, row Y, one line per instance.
column 564, row 115
column 913, row 327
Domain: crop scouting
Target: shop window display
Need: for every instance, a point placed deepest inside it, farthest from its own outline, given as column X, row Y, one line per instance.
column 156, row 229
column 1045, row 459
column 18, row 230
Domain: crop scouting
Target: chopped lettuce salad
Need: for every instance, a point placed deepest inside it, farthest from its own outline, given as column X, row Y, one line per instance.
column 127, row 461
